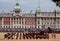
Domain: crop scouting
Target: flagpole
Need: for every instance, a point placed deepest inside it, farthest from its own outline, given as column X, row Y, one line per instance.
column 38, row 3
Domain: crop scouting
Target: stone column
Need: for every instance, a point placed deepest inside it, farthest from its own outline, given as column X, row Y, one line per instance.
column 13, row 22
column 18, row 23
column 2, row 22
column 21, row 22
column 24, row 22
column 10, row 22
column 37, row 23
column 40, row 23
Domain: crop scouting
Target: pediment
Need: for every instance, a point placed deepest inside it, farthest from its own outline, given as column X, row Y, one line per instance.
column 17, row 16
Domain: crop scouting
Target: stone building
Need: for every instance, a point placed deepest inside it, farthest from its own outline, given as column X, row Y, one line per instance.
column 18, row 19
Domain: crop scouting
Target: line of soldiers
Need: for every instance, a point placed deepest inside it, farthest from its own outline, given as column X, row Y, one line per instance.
column 14, row 35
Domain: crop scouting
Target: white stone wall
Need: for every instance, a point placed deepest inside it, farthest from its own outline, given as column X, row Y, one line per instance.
column 49, row 22
column 44, row 18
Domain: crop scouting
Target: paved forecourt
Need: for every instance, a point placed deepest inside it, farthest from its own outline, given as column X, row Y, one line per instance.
column 50, row 39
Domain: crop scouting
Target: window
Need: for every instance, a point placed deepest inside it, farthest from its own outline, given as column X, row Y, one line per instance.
column 0, row 22
column 48, row 14
column 17, row 20
column 58, row 13
column 4, row 26
column 58, row 26
column 42, row 19
column 25, row 26
column 53, row 22
column 38, row 26
column 47, row 18
column 42, row 23
column 14, row 26
column 6, row 20
column 12, row 21
column 0, row 26
column 47, row 23
column 57, row 22
column 38, row 22
column 20, row 26
column 22, row 22
column 50, row 22
column 38, row 13
column 31, row 26
column 43, row 14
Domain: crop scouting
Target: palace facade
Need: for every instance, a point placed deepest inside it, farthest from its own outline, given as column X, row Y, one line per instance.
column 18, row 19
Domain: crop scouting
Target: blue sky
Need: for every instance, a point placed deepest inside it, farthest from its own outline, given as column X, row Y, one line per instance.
column 28, row 5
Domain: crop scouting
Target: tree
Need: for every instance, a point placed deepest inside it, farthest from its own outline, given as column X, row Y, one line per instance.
column 57, row 2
